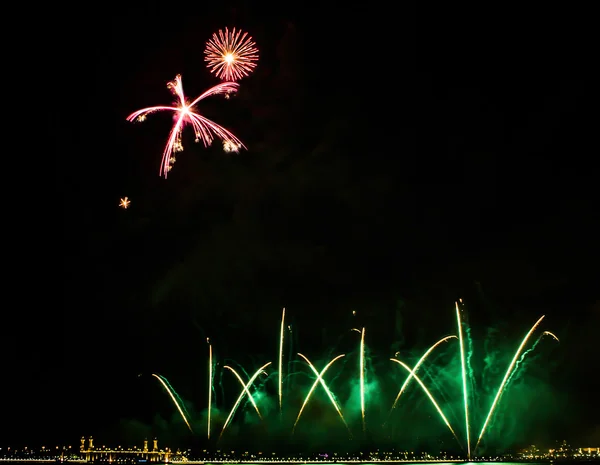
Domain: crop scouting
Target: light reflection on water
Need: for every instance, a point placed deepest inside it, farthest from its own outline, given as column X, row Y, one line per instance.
column 308, row 462
column 408, row 462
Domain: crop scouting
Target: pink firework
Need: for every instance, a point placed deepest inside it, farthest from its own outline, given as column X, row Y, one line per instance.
column 231, row 55
column 204, row 128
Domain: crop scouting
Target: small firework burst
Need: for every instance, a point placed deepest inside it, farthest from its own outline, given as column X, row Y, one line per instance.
column 231, row 55
column 124, row 203
column 231, row 146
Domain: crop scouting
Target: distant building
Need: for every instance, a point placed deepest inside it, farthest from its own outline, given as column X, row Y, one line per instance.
column 103, row 453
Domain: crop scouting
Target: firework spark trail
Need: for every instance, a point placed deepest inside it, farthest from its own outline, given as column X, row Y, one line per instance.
column 204, row 128
column 281, row 361
column 362, row 379
column 245, row 388
column 416, row 368
column 515, row 370
column 240, row 367
column 210, row 385
column 241, row 396
column 174, row 397
column 180, row 402
column 552, row 335
column 327, row 390
column 229, row 56
column 290, row 357
column 506, row 377
column 431, row 398
column 464, row 380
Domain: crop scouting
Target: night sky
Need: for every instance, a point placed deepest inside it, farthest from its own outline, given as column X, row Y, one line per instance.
column 397, row 161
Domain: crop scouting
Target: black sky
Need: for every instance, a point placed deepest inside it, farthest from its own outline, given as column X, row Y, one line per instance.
column 393, row 156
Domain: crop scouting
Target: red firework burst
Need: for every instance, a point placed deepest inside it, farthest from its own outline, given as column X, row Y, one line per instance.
column 185, row 114
column 231, row 55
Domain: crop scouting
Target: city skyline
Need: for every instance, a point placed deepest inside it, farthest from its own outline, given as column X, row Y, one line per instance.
column 150, row 451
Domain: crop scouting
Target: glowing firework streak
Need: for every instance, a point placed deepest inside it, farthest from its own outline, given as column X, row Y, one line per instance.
column 290, row 357
column 362, row 379
column 506, row 377
column 464, row 380
column 171, row 393
column 281, row 360
column 210, row 385
column 245, row 388
column 327, row 390
column 204, row 128
column 241, row 396
column 527, row 352
column 431, row 398
column 416, row 368
column 229, row 56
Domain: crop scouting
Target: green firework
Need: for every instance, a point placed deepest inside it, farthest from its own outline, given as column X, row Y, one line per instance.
column 505, row 379
column 245, row 389
column 280, row 384
column 362, row 379
column 325, row 387
column 175, row 398
column 241, row 396
column 431, row 398
column 413, row 372
column 464, row 380
column 210, row 387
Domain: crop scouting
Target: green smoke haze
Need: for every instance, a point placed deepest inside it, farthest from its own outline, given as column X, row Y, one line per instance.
column 527, row 404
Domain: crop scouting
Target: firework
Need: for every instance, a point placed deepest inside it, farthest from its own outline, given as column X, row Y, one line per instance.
column 327, row 390
column 175, row 399
column 514, row 370
column 242, row 394
column 464, row 379
column 362, row 379
column 245, row 389
column 506, row 377
column 124, row 203
column 281, row 360
column 431, row 398
column 231, row 56
column 416, row 368
column 230, row 146
column 204, row 129
column 210, row 385
column 526, row 353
